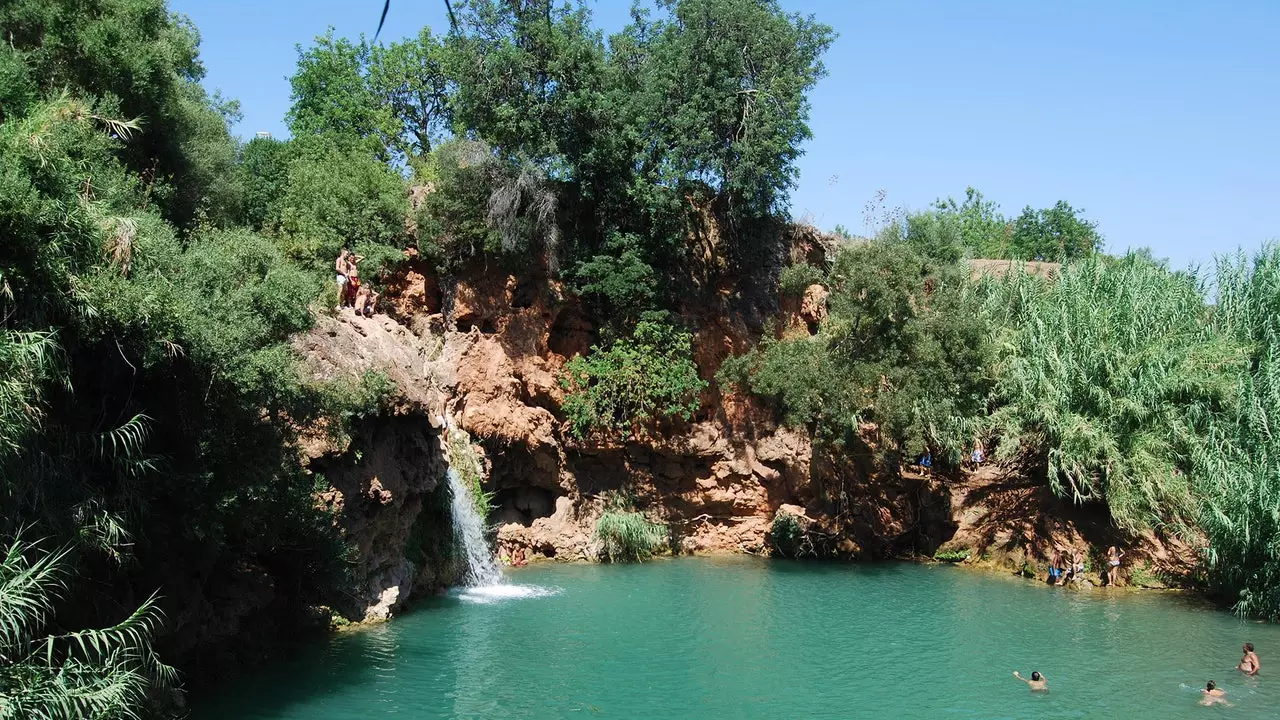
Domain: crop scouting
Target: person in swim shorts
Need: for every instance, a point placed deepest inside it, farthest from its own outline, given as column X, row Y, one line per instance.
column 340, row 266
column 1055, row 568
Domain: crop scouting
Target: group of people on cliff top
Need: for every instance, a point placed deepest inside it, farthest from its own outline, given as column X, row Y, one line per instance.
column 1068, row 567
column 351, row 293
column 1210, row 695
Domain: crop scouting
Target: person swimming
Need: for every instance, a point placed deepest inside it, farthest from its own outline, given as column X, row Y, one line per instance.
column 1036, row 681
column 1249, row 664
column 1211, row 695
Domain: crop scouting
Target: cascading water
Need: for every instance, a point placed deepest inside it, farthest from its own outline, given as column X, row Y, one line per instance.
column 483, row 582
column 468, row 532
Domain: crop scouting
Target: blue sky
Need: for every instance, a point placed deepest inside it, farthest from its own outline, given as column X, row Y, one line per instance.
column 1161, row 119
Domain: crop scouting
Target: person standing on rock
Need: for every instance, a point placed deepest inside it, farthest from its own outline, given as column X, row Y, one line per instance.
column 1112, row 573
column 353, row 277
column 1055, row 567
column 340, row 266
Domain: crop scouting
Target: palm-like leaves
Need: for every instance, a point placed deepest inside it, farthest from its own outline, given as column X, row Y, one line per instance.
column 94, row 673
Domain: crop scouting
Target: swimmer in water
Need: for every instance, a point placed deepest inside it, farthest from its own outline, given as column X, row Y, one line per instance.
column 1249, row 664
column 1211, row 695
column 1036, row 681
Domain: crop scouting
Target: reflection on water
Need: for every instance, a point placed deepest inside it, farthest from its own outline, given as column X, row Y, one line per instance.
column 742, row 638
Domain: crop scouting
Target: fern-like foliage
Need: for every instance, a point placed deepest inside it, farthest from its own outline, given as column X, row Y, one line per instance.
column 90, row 673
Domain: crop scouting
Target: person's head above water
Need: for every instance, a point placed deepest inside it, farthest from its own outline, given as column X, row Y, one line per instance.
column 1035, row 675
column 1248, row 647
column 1211, row 685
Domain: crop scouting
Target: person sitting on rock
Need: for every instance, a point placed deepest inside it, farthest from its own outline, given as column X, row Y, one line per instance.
column 362, row 301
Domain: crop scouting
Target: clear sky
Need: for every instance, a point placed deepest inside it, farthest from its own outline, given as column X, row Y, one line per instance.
column 1160, row 117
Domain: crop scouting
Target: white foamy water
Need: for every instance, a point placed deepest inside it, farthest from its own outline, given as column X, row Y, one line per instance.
column 489, row 594
column 468, row 532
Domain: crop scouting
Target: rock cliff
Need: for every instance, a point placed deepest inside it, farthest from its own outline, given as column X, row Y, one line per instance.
column 484, row 352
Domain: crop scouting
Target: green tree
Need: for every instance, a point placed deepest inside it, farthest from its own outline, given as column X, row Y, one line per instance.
column 144, row 63
column 1055, row 234
column 339, row 193
column 331, row 92
column 263, row 173
column 408, row 82
column 722, row 97
column 984, row 231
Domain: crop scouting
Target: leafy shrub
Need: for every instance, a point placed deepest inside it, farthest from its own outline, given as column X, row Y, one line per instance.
column 786, row 535
column 795, row 279
column 638, row 380
column 483, row 204
column 952, row 556
column 629, row 536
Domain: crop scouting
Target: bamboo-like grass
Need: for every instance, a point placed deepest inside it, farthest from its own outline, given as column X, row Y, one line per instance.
column 627, row 536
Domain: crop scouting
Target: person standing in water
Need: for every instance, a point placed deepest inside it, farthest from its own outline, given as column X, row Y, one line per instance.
column 1211, row 695
column 1249, row 664
column 1036, row 681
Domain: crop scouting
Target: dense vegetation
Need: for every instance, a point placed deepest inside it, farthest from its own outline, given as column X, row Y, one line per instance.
column 1115, row 379
column 153, row 269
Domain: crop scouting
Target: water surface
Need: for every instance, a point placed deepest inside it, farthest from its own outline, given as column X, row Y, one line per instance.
column 746, row 638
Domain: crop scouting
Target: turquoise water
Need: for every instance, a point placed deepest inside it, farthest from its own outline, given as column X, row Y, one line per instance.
column 746, row 638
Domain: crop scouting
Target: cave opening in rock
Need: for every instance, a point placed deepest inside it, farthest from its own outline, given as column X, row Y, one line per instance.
column 523, row 505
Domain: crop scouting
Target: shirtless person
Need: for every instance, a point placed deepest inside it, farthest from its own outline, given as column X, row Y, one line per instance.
column 1211, row 695
column 1249, row 664
column 1037, row 681
column 340, row 265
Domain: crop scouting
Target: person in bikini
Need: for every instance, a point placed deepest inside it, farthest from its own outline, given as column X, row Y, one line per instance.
column 1037, row 681
column 1212, row 695
column 1112, row 575
column 1249, row 664
column 353, row 278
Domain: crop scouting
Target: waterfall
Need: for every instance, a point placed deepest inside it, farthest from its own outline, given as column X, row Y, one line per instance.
column 468, row 533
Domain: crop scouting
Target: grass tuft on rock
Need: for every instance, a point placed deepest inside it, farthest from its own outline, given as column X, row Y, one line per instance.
column 629, row 536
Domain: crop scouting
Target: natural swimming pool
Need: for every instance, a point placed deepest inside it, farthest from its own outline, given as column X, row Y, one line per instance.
column 749, row 638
